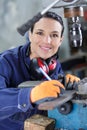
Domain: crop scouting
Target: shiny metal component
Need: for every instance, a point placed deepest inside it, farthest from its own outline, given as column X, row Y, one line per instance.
column 82, row 86
column 73, row 11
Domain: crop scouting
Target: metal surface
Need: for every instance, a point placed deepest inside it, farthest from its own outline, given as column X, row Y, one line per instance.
column 82, row 86
column 29, row 84
column 49, row 105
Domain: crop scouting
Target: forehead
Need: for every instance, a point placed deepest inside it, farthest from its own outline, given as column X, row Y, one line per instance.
column 48, row 23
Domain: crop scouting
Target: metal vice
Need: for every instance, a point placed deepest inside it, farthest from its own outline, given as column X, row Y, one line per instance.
column 72, row 115
column 70, row 109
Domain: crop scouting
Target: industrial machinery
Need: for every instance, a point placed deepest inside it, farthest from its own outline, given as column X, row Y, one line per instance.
column 73, row 114
column 70, row 109
column 73, row 9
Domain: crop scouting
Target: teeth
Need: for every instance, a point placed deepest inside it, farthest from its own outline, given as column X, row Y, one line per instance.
column 46, row 48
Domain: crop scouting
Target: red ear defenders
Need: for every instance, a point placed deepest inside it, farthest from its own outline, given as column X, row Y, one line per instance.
column 48, row 66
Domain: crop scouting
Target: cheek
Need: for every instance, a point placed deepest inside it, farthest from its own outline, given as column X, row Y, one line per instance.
column 35, row 40
column 56, row 46
column 34, row 44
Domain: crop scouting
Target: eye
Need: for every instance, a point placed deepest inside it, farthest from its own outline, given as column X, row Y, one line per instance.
column 39, row 33
column 54, row 35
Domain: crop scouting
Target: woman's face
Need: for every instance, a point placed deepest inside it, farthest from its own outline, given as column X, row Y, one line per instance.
column 45, row 38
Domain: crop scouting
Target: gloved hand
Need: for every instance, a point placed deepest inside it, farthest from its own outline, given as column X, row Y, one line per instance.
column 71, row 78
column 47, row 89
column 71, row 82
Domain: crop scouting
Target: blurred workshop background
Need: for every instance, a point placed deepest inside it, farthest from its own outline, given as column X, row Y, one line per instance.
column 14, row 13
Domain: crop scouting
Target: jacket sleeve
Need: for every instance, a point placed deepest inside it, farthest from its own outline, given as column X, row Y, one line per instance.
column 12, row 100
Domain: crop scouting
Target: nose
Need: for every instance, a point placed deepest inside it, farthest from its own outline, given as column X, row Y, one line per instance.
column 47, row 39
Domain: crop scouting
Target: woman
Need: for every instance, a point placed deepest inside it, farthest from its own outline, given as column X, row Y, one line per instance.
column 22, row 64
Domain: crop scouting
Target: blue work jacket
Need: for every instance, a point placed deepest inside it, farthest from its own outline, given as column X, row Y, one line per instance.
column 15, row 104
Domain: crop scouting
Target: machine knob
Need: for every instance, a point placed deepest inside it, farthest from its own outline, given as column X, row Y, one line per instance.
column 65, row 108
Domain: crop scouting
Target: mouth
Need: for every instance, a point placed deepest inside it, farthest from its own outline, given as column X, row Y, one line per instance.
column 45, row 48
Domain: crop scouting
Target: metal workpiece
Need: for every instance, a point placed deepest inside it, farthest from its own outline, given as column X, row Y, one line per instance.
column 81, row 95
column 29, row 84
column 82, row 87
column 56, row 102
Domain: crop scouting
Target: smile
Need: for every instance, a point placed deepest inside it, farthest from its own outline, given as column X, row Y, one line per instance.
column 45, row 48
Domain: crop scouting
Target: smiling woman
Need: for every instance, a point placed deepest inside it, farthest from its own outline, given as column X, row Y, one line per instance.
column 45, row 37
column 18, row 104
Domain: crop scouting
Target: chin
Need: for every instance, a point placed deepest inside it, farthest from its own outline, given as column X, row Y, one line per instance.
column 45, row 58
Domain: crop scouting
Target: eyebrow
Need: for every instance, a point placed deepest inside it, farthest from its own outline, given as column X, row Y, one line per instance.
column 39, row 30
column 55, row 32
column 43, row 30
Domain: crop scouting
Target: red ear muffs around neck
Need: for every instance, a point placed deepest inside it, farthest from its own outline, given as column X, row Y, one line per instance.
column 41, row 63
column 52, row 65
column 47, row 66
